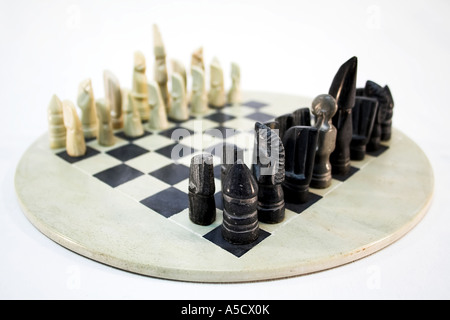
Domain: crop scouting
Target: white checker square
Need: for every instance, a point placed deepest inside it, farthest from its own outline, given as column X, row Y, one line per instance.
column 142, row 187
column 148, row 162
column 97, row 163
column 183, row 220
column 153, row 142
column 238, row 111
column 118, row 142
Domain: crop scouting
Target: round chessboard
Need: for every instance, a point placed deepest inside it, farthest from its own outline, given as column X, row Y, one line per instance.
column 127, row 205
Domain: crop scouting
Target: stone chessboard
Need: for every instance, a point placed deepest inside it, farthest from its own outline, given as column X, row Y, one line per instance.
column 144, row 181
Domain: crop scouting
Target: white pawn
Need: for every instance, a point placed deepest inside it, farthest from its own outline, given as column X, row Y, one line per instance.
column 179, row 110
column 216, row 96
column 113, row 98
column 56, row 128
column 105, row 129
column 178, row 67
column 158, row 115
column 199, row 99
column 132, row 125
column 234, row 95
column 139, row 90
column 75, row 144
column 86, row 102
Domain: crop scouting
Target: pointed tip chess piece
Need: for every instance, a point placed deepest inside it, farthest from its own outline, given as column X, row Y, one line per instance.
column 139, row 89
column 268, row 170
column 178, row 67
column 374, row 90
column 56, row 128
column 113, row 97
column 216, row 95
column 202, row 205
column 105, row 129
column 234, row 94
column 230, row 155
column 199, row 98
column 158, row 116
column 160, row 71
column 86, row 102
column 300, row 145
column 132, row 126
column 343, row 89
column 197, row 59
column 75, row 143
column 363, row 114
column 179, row 110
column 323, row 108
column 240, row 215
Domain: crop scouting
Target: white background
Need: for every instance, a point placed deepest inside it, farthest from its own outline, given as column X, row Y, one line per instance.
column 295, row 47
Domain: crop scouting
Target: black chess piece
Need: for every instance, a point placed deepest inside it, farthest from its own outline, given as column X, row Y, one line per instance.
column 284, row 121
column 323, row 108
column 363, row 118
column 343, row 89
column 240, row 199
column 300, row 143
column 230, row 154
column 268, row 170
column 386, row 125
column 202, row 205
column 374, row 90
column 302, row 117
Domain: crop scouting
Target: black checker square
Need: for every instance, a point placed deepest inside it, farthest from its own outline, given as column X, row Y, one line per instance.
column 89, row 153
column 118, row 175
column 300, row 207
column 122, row 135
column 343, row 178
column 215, row 236
column 176, row 151
column 127, row 152
column 172, row 173
column 260, row 116
column 177, row 133
column 167, row 202
column 378, row 152
column 254, row 104
column 221, row 132
column 220, row 117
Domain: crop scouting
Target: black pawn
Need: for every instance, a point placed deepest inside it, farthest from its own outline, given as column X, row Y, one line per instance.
column 202, row 205
column 374, row 90
column 300, row 145
column 343, row 89
column 230, row 155
column 363, row 115
column 268, row 170
column 240, row 200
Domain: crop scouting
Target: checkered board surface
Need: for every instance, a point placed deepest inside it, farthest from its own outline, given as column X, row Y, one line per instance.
column 153, row 169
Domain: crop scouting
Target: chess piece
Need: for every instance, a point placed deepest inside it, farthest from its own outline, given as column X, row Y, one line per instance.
column 158, row 116
column 56, row 128
column 374, row 90
column 240, row 199
column 343, row 89
column 268, row 170
column 178, row 67
column 75, row 144
column 323, row 108
column 301, row 117
column 363, row 118
column 300, row 145
column 216, row 95
column 202, row 205
column 179, row 110
column 139, row 90
column 197, row 59
column 86, row 102
column 284, row 121
column 113, row 96
column 132, row 126
column 234, row 95
column 160, row 75
column 230, row 155
column 105, row 129
column 386, row 125
column 199, row 99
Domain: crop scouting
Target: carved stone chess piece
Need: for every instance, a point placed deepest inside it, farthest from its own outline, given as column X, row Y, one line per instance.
column 86, row 102
column 216, row 95
column 234, row 94
column 158, row 116
column 179, row 110
column 132, row 126
column 197, row 59
column 75, row 144
column 139, row 90
column 199, row 98
column 113, row 97
column 56, row 128
column 363, row 114
column 105, row 129
column 160, row 71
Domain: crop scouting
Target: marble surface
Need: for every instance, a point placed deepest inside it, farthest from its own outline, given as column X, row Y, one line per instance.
column 384, row 200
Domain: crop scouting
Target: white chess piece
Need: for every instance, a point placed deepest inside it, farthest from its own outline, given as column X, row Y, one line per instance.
column 113, row 98
column 199, row 99
column 56, row 128
column 160, row 70
column 132, row 125
column 86, row 102
column 179, row 110
column 105, row 128
column 75, row 144
column 158, row 115
column 216, row 95
column 234, row 95
column 139, row 90
column 178, row 67
column 197, row 59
